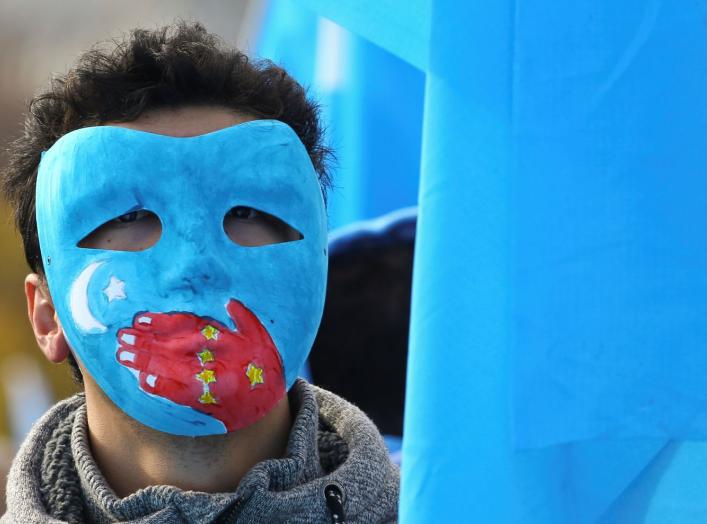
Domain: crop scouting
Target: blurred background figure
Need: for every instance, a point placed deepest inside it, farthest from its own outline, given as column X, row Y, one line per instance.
column 361, row 348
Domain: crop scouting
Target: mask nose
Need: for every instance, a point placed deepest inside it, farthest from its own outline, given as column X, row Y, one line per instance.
column 195, row 274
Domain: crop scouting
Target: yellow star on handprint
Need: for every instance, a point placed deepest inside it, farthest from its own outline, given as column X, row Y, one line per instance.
column 206, row 376
column 210, row 333
column 207, row 398
column 254, row 374
column 205, row 356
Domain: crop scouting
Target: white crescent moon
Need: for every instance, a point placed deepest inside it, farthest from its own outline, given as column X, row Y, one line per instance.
column 78, row 301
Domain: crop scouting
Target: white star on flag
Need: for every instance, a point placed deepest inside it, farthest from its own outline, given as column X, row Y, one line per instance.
column 115, row 290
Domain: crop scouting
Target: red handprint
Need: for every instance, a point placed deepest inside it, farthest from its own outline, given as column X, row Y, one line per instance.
column 234, row 376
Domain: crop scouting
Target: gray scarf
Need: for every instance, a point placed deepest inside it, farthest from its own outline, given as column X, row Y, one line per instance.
column 332, row 446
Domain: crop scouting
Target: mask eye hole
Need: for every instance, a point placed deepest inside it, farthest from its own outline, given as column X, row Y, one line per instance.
column 250, row 227
column 133, row 231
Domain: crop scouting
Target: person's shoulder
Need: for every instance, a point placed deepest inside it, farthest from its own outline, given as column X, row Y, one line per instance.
column 24, row 503
column 369, row 481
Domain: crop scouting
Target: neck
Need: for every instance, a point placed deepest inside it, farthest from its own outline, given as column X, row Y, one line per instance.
column 132, row 456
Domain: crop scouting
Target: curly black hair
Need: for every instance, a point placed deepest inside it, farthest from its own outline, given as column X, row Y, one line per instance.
column 178, row 65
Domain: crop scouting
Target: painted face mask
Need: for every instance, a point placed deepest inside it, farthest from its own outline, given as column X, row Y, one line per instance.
column 196, row 335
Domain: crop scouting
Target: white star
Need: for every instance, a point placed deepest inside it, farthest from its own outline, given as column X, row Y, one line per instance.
column 115, row 290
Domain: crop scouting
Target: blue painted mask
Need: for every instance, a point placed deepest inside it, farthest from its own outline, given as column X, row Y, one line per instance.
column 196, row 335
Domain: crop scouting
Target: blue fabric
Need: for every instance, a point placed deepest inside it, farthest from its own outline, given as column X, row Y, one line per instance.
column 559, row 284
column 93, row 175
column 457, row 465
column 289, row 38
column 377, row 144
column 670, row 489
column 401, row 28
column 559, row 289
column 608, row 280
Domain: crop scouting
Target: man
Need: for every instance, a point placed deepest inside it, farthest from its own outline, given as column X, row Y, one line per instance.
column 178, row 252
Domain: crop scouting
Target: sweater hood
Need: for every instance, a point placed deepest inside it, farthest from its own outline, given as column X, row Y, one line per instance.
column 54, row 478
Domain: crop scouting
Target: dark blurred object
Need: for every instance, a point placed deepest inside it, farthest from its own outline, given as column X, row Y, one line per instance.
column 361, row 350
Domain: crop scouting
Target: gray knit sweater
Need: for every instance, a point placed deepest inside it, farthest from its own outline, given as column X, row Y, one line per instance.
column 54, row 478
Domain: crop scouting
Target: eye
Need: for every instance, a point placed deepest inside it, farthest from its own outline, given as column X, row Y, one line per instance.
column 251, row 227
column 133, row 216
column 132, row 231
column 243, row 212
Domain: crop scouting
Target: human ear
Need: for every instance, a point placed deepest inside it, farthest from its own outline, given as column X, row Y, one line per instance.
column 45, row 323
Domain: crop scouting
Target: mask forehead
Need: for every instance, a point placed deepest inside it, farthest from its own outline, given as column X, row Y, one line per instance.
column 96, row 174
